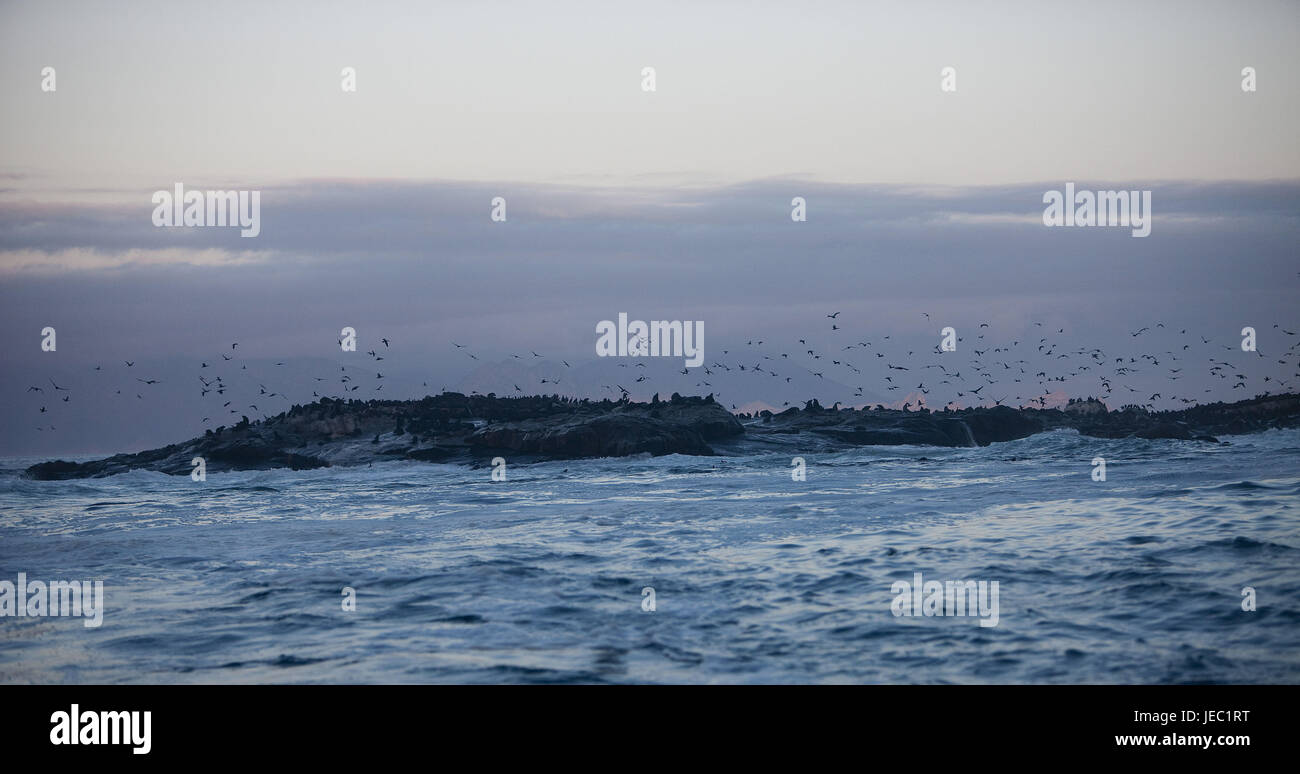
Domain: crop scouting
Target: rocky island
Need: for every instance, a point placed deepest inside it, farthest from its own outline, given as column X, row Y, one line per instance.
column 452, row 427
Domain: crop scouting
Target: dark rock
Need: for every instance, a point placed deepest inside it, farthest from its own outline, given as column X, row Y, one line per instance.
column 1175, row 430
column 432, row 454
column 56, row 470
column 452, row 426
column 1000, row 424
column 612, row 435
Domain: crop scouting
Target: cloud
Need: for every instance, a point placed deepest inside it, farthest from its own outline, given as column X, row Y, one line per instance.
column 73, row 259
column 325, row 219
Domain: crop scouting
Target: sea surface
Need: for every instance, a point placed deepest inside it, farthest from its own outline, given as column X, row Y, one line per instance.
column 757, row 578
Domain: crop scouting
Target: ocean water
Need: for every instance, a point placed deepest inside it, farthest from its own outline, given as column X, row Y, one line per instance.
column 757, row 578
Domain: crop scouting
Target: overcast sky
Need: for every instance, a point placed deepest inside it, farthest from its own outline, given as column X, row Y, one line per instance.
column 249, row 92
column 672, row 204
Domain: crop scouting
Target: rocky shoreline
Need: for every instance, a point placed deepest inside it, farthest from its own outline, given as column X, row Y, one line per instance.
column 452, row 427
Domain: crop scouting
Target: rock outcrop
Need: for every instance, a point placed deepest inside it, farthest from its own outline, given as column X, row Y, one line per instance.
column 447, row 428
column 457, row 428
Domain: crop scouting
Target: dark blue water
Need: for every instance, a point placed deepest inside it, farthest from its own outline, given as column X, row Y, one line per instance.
column 757, row 578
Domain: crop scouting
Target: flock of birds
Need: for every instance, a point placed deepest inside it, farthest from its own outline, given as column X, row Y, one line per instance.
column 1029, row 372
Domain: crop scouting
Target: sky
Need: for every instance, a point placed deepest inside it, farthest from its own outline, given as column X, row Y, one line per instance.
column 672, row 204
